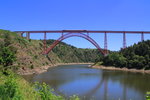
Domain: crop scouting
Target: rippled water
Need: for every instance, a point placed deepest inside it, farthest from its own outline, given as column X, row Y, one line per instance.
column 95, row 84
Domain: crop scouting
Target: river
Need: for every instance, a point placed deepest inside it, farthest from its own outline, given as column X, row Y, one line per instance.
column 94, row 84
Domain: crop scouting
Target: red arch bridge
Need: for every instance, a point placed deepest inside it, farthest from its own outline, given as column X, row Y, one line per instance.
column 83, row 34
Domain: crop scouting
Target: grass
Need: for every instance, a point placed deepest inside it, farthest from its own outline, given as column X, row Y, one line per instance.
column 14, row 87
column 148, row 96
column 98, row 63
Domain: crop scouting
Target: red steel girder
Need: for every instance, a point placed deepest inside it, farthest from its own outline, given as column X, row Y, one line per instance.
column 44, row 42
column 124, row 40
column 28, row 35
column 105, row 52
column 85, row 31
column 72, row 35
column 142, row 36
column 105, row 44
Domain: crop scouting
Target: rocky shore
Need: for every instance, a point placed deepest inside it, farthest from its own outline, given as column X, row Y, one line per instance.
column 121, row 69
column 38, row 70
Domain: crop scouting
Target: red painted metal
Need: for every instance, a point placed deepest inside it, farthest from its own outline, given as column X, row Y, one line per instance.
column 85, row 31
column 28, row 35
column 22, row 34
column 44, row 41
column 142, row 36
column 68, row 35
column 62, row 34
column 124, row 40
column 105, row 43
column 72, row 32
column 88, row 34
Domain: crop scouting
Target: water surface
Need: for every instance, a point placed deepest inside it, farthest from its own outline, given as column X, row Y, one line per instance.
column 95, row 84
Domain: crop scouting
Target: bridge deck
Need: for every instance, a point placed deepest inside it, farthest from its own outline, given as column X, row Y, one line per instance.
column 85, row 31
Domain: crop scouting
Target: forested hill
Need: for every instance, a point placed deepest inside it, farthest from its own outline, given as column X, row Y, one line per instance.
column 27, row 53
column 19, row 53
column 136, row 56
column 68, row 53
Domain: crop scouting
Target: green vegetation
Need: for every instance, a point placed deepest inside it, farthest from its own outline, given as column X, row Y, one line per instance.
column 17, row 52
column 68, row 53
column 7, row 52
column 46, row 93
column 7, row 57
column 13, row 87
column 28, row 53
column 115, row 59
column 148, row 96
column 136, row 56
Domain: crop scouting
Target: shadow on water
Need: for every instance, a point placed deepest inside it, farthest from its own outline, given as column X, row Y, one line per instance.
column 95, row 84
column 133, row 85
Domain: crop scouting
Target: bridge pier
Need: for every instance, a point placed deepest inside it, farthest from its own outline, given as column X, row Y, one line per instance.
column 105, row 44
column 28, row 35
column 88, row 34
column 142, row 36
column 124, row 40
column 44, row 42
column 20, row 33
column 62, row 34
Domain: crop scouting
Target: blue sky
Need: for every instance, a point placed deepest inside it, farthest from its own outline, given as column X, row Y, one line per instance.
column 78, row 14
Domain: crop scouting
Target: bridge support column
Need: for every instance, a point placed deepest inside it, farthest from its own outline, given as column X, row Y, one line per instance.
column 28, row 35
column 62, row 34
column 44, row 42
column 124, row 40
column 88, row 34
column 105, row 44
column 21, row 34
column 142, row 36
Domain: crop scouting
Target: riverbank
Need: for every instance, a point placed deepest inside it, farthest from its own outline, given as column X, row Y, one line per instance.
column 39, row 70
column 121, row 69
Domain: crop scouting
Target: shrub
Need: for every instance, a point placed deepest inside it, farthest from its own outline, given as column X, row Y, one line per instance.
column 32, row 66
column 74, row 97
column 22, row 41
column 46, row 93
column 35, row 57
column 7, row 57
column 148, row 96
column 9, row 90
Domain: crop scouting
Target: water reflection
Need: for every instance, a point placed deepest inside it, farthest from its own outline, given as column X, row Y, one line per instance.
column 95, row 84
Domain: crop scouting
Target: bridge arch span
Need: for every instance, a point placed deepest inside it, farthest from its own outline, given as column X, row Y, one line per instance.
column 68, row 35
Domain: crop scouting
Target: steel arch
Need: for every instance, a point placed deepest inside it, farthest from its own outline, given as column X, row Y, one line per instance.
column 68, row 35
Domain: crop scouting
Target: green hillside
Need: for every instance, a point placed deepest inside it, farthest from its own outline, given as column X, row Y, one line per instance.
column 19, row 53
column 68, row 53
column 29, row 52
column 136, row 56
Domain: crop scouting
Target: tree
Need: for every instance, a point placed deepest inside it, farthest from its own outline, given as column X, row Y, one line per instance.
column 7, row 57
column 7, row 39
column 136, row 56
column 115, row 59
